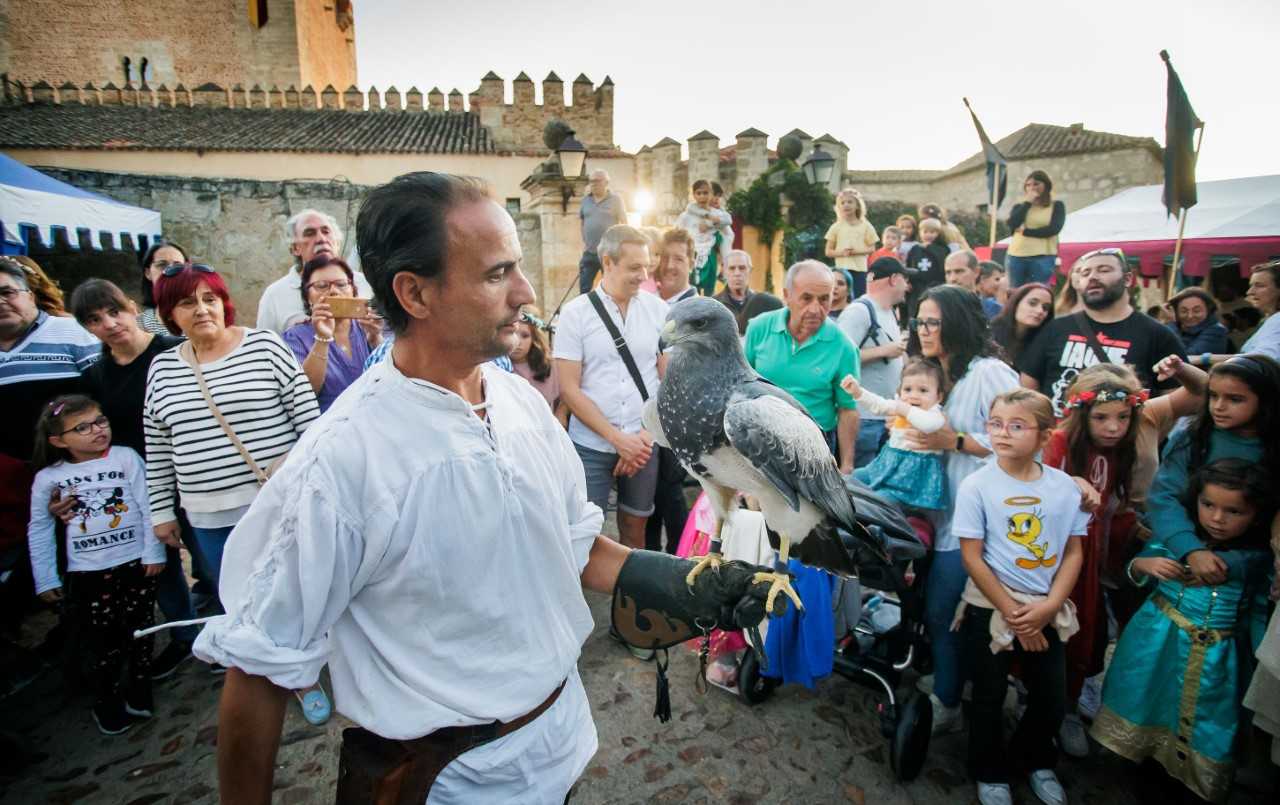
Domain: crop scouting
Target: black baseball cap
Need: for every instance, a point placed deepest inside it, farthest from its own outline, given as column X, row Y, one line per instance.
column 885, row 267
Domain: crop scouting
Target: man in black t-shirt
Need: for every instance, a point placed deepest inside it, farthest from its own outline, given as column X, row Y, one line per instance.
column 1126, row 336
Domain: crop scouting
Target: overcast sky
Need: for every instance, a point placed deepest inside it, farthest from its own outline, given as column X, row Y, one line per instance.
column 885, row 77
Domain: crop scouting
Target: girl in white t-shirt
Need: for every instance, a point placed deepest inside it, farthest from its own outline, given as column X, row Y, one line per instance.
column 1020, row 528
column 113, row 556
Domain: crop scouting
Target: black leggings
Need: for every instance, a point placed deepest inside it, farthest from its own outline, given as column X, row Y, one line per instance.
column 109, row 605
column 1045, row 674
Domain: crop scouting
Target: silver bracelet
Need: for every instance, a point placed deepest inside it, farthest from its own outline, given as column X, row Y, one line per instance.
column 1128, row 571
column 320, row 340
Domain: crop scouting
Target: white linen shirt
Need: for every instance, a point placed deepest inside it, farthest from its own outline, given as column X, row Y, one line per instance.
column 431, row 559
column 281, row 304
column 581, row 336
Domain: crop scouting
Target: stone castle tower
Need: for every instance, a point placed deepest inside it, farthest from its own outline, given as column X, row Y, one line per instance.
column 267, row 42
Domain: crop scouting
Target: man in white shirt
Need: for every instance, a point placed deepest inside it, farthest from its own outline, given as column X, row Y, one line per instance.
column 881, row 344
column 604, row 398
column 429, row 539
column 311, row 233
column 672, row 276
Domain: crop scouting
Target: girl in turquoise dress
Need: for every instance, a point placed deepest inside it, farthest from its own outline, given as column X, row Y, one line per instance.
column 1176, row 682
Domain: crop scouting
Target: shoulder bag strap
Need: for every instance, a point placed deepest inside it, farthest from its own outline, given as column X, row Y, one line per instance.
column 1091, row 338
column 621, row 343
column 873, row 327
column 187, row 353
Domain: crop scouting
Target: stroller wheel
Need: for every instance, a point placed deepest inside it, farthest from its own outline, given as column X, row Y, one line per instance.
column 753, row 687
column 910, row 742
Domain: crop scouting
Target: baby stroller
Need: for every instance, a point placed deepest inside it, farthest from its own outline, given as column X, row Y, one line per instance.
column 875, row 657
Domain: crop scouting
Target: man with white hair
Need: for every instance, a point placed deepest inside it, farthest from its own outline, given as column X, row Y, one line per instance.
column 311, row 234
column 737, row 286
column 800, row 349
column 601, row 209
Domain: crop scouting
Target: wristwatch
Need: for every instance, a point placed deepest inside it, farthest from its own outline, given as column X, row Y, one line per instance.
column 959, row 441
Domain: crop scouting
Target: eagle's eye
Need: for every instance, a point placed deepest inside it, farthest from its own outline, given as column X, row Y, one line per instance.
column 698, row 324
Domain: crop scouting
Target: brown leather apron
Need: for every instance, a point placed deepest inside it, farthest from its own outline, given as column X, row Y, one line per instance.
column 373, row 770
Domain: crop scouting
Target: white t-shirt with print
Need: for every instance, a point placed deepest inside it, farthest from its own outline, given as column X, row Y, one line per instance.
column 1024, row 525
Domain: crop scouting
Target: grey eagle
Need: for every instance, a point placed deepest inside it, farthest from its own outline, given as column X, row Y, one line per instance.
column 736, row 432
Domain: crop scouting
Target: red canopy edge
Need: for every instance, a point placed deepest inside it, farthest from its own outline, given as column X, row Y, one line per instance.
column 1196, row 253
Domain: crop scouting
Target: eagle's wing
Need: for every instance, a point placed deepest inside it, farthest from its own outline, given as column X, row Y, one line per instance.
column 783, row 442
column 650, row 422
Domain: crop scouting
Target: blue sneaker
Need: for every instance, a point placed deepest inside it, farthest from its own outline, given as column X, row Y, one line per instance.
column 315, row 705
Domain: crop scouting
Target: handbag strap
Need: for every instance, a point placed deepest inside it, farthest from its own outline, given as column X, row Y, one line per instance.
column 621, row 343
column 1091, row 338
column 187, row 353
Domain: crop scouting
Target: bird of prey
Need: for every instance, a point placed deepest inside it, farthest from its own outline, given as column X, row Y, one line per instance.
column 736, row 432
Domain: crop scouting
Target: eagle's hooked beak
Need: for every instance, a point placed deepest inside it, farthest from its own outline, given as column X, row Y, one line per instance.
column 668, row 331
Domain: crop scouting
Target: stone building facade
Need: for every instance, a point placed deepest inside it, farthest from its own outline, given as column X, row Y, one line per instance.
column 1085, row 165
column 265, row 42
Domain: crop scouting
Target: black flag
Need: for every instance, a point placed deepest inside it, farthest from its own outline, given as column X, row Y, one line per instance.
column 993, row 159
column 1180, row 124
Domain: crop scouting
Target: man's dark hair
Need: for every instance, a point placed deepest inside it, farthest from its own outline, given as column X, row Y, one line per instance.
column 988, row 267
column 401, row 227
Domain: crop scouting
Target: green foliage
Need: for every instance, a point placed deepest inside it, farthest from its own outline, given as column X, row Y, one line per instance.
column 760, row 206
column 789, row 148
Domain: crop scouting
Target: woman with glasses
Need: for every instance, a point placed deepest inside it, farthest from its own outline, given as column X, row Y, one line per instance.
column 221, row 410
column 1029, row 309
column 950, row 328
column 159, row 257
column 332, row 350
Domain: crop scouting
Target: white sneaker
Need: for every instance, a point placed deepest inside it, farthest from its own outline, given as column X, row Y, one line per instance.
column 946, row 719
column 1045, row 785
column 1072, row 737
column 925, row 683
column 994, row 794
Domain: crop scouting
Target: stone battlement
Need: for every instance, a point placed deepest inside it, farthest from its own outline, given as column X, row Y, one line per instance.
column 514, row 126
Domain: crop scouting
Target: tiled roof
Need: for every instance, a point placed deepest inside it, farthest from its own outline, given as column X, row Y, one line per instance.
column 213, row 129
column 892, row 176
column 1040, row 140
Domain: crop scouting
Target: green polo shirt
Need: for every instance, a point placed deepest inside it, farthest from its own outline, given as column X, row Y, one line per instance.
column 811, row 372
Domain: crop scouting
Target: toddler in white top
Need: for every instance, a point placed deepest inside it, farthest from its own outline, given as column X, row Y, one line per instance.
column 914, row 478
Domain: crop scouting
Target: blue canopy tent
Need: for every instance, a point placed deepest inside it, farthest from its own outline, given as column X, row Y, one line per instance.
column 34, row 206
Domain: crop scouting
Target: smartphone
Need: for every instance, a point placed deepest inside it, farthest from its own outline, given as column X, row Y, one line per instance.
column 348, row 307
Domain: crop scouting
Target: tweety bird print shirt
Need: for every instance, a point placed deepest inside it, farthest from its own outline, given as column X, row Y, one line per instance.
column 1024, row 525
column 110, row 523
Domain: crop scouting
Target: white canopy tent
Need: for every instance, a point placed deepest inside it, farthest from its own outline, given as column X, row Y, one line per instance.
column 1233, row 217
column 33, row 205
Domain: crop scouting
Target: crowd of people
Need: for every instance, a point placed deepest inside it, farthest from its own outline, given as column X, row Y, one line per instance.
column 1081, row 472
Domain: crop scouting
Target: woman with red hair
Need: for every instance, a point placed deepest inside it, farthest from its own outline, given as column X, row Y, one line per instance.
column 220, row 410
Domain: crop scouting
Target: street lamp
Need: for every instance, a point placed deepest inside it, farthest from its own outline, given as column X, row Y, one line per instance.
column 571, row 155
column 818, row 167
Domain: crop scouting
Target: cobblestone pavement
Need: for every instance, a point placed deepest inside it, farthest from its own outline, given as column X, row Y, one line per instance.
column 800, row 746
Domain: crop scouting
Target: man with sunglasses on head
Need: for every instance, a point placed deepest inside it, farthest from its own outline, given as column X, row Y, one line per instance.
column 41, row 356
column 1108, row 330
column 311, row 234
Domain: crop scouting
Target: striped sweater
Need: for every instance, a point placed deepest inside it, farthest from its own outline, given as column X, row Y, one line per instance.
column 263, row 393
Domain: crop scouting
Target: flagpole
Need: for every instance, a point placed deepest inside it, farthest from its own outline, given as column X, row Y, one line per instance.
column 1182, row 223
column 995, row 185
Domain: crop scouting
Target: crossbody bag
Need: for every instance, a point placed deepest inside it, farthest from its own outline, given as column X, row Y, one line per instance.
column 1091, row 337
column 187, row 353
column 621, row 344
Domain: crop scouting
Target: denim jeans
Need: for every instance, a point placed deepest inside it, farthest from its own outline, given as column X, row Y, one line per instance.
column 1045, row 674
column 588, row 267
column 212, row 541
column 867, row 447
column 1030, row 269
column 946, row 582
column 859, row 286
column 172, row 593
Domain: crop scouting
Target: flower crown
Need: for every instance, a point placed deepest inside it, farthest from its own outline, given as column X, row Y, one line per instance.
column 1133, row 399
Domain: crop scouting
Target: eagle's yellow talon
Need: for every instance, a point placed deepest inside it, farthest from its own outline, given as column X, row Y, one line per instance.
column 711, row 560
column 778, row 583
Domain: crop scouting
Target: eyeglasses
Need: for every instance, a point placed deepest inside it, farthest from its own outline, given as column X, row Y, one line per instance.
column 174, row 269
column 163, row 264
column 1015, row 428
column 325, row 285
column 928, row 325
column 8, row 294
column 85, row 428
